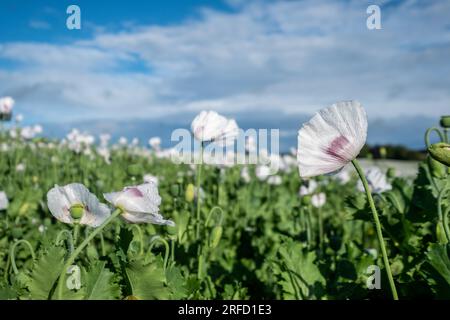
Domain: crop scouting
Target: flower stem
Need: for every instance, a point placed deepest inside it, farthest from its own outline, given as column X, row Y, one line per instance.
column 443, row 217
column 76, row 232
column 74, row 255
column 320, row 225
column 378, row 227
column 13, row 253
column 199, row 177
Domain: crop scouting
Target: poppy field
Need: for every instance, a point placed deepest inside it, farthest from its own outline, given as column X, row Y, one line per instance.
column 86, row 218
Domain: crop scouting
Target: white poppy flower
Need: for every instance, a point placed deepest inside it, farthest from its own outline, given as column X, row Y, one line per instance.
column 343, row 176
column 148, row 178
column 331, row 139
column 155, row 143
column 308, row 189
column 140, row 204
column 74, row 201
column 211, row 126
column 274, row 180
column 4, row 203
column 318, row 200
column 245, row 175
column 262, row 172
column 19, row 118
column 6, row 105
column 377, row 181
column 123, row 141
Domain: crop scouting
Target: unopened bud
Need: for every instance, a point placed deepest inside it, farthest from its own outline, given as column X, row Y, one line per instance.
column 440, row 152
column 391, row 173
column 190, row 192
column 445, row 121
column 215, row 236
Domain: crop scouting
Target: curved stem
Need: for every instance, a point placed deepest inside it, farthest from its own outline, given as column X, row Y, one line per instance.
column 445, row 221
column 427, row 135
column 69, row 239
column 156, row 239
column 12, row 253
column 74, row 255
column 378, row 227
column 443, row 217
column 141, row 238
column 102, row 244
column 210, row 214
column 320, row 226
column 199, row 177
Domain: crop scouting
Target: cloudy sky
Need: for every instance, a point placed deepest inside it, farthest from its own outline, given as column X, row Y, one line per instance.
column 280, row 60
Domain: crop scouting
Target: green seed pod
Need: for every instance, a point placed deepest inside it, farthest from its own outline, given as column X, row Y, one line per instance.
column 437, row 169
column 391, row 173
column 76, row 211
column 175, row 190
column 134, row 169
column 306, row 200
column 445, row 121
column 440, row 152
column 190, row 192
column 440, row 234
column 215, row 236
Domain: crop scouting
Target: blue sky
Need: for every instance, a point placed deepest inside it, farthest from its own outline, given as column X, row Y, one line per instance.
column 163, row 60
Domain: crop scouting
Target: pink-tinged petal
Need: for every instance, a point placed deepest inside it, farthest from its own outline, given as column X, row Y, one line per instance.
column 133, row 192
column 140, row 203
column 332, row 138
column 59, row 205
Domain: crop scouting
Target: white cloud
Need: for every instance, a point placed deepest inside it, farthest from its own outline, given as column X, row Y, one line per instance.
column 39, row 24
column 287, row 56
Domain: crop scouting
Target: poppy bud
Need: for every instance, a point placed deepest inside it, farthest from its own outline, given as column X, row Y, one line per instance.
column 391, row 173
column 440, row 152
column 306, row 200
column 76, row 211
column 445, row 121
column 440, row 234
column 190, row 192
column 134, row 169
column 437, row 169
column 215, row 236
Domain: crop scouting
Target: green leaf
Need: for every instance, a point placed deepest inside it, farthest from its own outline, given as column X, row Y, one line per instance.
column 176, row 283
column 7, row 294
column 45, row 272
column 438, row 258
column 147, row 281
column 100, row 283
column 300, row 276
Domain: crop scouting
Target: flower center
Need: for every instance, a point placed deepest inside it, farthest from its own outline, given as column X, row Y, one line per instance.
column 76, row 211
